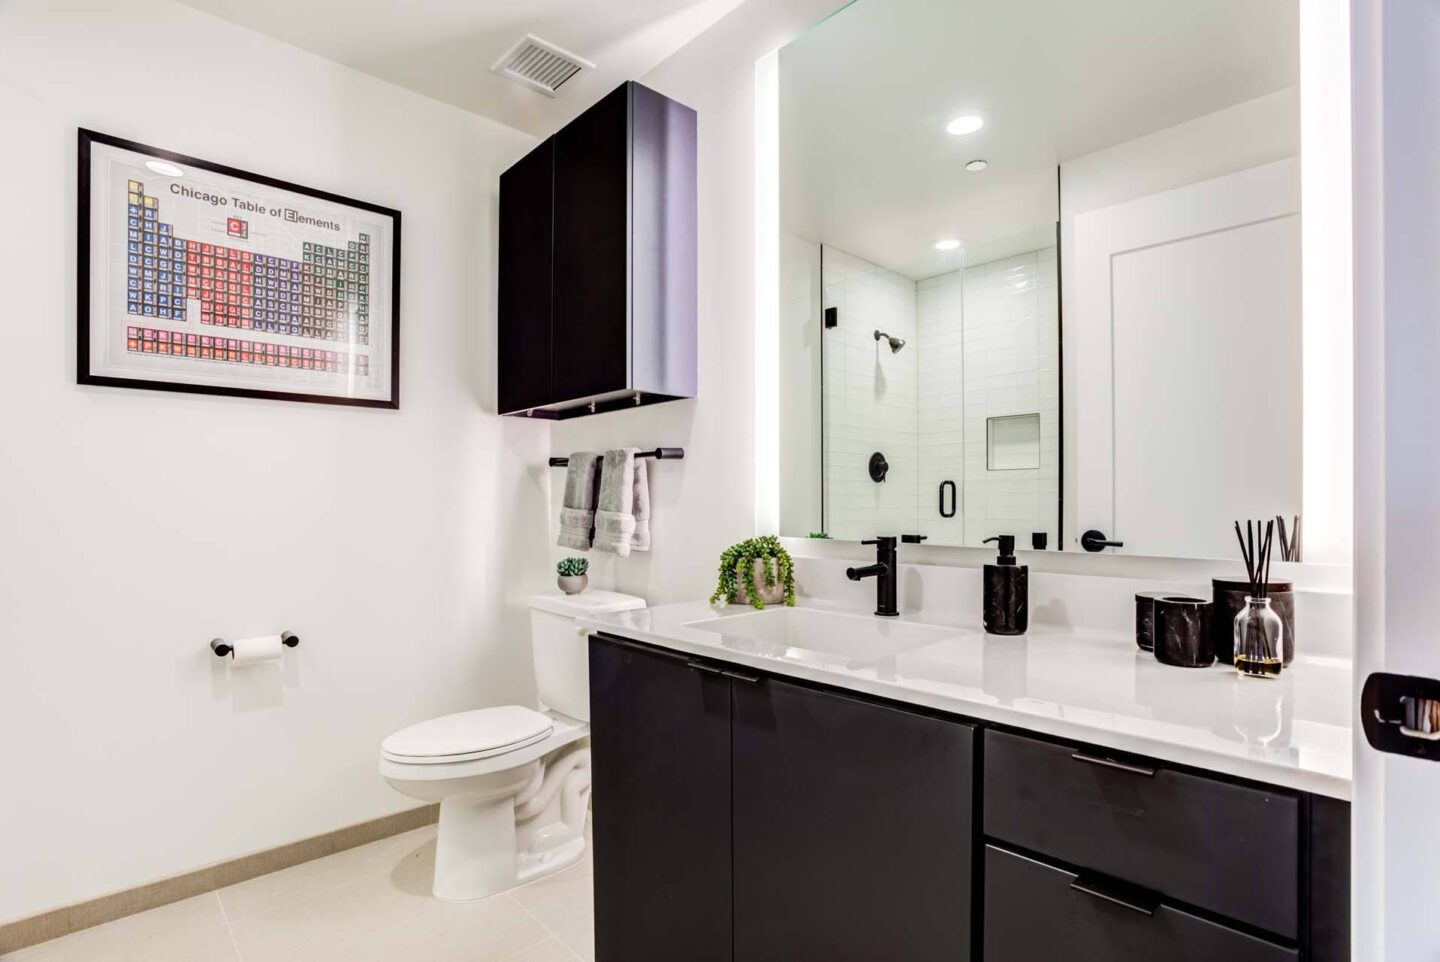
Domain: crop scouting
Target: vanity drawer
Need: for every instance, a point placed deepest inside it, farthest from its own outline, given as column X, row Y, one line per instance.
column 1037, row 911
column 1227, row 848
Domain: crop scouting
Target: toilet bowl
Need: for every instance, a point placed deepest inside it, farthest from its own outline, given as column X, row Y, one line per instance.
column 513, row 783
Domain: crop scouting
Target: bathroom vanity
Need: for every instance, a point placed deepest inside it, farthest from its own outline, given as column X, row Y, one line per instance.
column 804, row 783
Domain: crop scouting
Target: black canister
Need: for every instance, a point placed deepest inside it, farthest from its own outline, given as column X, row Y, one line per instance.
column 1182, row 632
column 1229, row 598
column 1145, row 619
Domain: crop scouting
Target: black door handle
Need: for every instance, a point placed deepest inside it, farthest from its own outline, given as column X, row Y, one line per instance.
column 1093, row 540
column 1112, row 764
column 1125, row 896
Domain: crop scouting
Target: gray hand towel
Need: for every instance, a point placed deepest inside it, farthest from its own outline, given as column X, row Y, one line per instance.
column 577, row 512
column 615, row 514
column 640, row 541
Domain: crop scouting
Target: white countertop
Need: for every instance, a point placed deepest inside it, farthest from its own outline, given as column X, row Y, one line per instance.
column 1084, row 685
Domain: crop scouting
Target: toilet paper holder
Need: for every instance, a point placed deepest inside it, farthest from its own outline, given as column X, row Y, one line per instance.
column 222, row 648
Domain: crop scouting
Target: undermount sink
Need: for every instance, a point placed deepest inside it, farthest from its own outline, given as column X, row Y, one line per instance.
column 782, row 632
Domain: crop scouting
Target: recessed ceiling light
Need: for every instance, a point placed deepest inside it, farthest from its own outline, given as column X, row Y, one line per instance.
column 977, row 165
column 967, row 124
column 161, row 167
column 948, row 244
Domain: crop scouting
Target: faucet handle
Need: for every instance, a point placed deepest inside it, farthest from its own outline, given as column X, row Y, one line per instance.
column 914, row 538
column 884, row 539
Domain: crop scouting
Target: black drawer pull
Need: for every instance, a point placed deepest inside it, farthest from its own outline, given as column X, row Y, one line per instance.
column 701, row 666
column 1111, row 763
column 741, row 676
column 1134, row 900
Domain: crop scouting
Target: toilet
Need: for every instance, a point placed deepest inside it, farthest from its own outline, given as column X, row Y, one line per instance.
column 513, row 783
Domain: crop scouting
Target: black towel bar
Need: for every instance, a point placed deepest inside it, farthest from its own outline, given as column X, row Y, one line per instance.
column 662, row 454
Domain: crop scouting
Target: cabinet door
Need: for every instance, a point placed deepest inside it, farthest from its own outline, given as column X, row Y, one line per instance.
column 853, row 829
column 660, row 743
column 524, row 339
column 592, row 241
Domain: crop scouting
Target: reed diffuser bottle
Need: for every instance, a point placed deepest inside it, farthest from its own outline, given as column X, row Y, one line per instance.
column 1259, row 632
column 1259, row 639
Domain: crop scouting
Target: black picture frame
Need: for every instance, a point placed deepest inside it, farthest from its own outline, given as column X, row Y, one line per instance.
column 84, row 267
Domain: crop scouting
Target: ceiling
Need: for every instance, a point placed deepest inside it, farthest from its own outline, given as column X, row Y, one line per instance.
column 865, row 96
column 444, row 48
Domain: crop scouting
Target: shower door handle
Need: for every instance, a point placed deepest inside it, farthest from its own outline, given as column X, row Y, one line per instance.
column 954, row 499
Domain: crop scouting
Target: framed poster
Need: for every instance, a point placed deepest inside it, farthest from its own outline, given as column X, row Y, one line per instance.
column 198, row 277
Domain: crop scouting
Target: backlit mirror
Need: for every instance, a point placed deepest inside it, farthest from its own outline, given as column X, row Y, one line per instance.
column 1040, row 272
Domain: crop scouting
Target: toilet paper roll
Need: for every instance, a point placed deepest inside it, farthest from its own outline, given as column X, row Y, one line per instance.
column 250, row 651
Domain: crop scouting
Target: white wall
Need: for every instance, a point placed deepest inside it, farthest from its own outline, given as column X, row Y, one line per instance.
column 394, row 543
column 708, row 501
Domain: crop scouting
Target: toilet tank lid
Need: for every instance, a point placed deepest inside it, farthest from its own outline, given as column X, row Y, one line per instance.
column 593, row 602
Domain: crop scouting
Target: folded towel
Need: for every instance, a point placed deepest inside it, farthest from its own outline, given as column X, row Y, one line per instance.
column 577, row 512
column 640, row 540
column 615, row 514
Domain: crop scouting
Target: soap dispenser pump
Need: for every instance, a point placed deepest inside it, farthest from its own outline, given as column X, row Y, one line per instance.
column 1007, row 591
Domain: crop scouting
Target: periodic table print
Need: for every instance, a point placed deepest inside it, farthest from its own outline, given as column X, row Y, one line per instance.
column 198, row 277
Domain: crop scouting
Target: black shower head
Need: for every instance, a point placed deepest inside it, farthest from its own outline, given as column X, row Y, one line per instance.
column 896, row 343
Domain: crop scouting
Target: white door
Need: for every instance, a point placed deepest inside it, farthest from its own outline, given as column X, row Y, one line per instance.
column 1187, row 374
column 1395, row 83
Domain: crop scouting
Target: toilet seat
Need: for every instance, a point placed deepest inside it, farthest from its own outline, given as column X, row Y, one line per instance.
column 468, row 736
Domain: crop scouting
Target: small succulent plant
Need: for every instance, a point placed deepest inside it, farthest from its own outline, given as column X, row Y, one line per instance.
column 572, row 567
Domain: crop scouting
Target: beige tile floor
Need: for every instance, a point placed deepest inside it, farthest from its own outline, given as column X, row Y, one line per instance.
column 368, row 903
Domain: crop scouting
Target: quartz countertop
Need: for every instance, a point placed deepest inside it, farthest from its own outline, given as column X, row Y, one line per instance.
column 1085, row 685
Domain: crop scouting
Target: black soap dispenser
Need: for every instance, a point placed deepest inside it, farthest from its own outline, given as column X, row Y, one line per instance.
column 1007, row 591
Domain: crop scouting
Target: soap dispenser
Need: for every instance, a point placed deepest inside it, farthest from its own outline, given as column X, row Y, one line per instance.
column 1007, row 591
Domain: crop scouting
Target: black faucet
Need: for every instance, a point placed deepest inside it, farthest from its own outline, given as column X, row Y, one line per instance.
column 885, row 570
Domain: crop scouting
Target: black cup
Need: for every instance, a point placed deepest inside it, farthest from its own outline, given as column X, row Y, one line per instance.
column 1182, row 632
column 1145, row 618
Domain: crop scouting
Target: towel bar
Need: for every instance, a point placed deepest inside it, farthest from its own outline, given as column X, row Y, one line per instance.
column 661, row 454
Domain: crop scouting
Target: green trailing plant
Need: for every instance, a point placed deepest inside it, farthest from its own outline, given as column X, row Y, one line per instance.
column 818, row 535
column 572, row 567
column 737, row 566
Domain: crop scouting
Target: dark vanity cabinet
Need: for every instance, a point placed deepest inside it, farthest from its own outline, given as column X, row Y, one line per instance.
column 745, row 817
column 1127, row 859
column 660, row 740
column 597, row 275
column 852, row 828
column 739, row 816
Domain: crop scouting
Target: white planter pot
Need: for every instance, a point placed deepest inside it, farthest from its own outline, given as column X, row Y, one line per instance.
column 770, row 596
column 572, row 584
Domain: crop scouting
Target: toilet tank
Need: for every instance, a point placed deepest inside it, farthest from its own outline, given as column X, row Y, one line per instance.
column 561, row 648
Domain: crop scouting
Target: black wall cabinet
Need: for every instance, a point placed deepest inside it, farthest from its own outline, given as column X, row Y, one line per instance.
column 597, row 297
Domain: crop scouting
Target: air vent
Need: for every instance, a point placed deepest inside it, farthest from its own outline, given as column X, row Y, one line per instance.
column 540, row 66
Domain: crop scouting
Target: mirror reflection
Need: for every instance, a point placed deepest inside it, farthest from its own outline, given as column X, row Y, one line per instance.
column 1040, row 272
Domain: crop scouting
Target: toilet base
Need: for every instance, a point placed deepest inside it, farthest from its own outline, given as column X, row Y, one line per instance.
column 475, row 848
